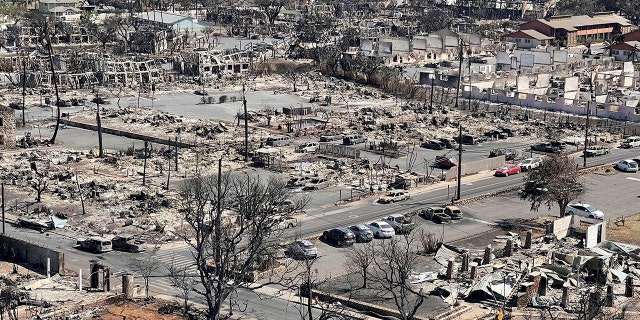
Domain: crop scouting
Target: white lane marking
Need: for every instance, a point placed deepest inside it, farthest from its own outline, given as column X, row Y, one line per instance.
column 482, row 221
column 634, row 179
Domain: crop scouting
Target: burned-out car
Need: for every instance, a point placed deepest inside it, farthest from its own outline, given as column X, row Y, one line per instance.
column 128, row 243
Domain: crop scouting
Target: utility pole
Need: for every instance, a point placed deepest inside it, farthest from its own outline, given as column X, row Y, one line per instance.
column 24, row 91
column 460, row 57
column 433, row 77
column 246, row 125
column 144, row 168
column 459, row 124
column 99, row 123
column 4, row 231
column 459, row 161
column 586, row 126
column 469, row 57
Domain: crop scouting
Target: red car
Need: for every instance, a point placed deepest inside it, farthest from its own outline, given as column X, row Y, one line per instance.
column 508, row 169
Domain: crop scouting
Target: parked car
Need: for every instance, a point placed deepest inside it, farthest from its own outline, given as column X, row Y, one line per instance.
column 507, row 169
column 433, row 144
column 95, row 244
column 362, row 233
column 303, row 249
column 509, row 154
column 478, row 60
column 553, row 146
column 595, row 151
column 449, row 143
column 469, row 139
column 328, row 138
column 339, row 236
column 282, row 222
column 128, row 243
column 381, row 229
column 298, row 181
column 530, row 163
column 201, row 92
column 394, row 196
column 627, row 166
column 400, row 223
column 631, row 142
column 286, row 205
column 453, row 211
column 316, row 183
column 309, row 146
column 496, row 133
column 584, row 210
column 436, row 214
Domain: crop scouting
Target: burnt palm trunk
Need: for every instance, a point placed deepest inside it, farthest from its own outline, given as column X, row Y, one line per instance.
column 55, row 87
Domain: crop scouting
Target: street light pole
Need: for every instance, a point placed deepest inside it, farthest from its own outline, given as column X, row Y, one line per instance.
column 459, row 186
column 433, row 77
column 586, row 126
column 459, row 180
column 459, row 73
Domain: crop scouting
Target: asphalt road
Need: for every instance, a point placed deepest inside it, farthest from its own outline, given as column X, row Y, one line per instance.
column 605, row 192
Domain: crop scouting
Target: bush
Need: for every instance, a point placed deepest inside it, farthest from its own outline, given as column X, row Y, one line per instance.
column 430, row 244
column 223, row 98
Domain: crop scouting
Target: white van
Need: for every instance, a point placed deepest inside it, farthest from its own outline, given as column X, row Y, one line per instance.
column 631, row 142
column 353, row 139
column 309, row 146
column 278, row 141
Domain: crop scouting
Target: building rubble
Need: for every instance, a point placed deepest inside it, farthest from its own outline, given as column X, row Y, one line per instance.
column 569, row 269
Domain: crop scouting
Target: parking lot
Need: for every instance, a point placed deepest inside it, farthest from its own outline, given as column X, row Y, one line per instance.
column 613, row 193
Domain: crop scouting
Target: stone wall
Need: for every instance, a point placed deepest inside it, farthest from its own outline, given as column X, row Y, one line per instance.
column 32, row 254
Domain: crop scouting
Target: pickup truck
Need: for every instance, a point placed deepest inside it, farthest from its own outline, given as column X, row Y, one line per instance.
column 595, row 151
column 281, row 223
column 128, row 243
column 400, row 223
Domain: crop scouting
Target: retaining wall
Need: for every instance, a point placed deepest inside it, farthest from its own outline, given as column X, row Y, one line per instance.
column 32, row 254
column 475, row 167
column 127, row 134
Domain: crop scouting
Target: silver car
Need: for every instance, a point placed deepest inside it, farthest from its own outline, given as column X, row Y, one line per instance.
column 303, row 249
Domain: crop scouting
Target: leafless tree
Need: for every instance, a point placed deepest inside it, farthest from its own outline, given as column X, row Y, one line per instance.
column 271, row 8
column 39, row 183
column 184, row 282
column 146, row 267
column 396, row 260
column 10, row 297
column 46, row 29
column 103, row 32
column 232, row 230
column 360, row 259
column 556, row 181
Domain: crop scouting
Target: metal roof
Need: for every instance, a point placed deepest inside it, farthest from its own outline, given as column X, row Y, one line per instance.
column 572, row 23
column 163, row 17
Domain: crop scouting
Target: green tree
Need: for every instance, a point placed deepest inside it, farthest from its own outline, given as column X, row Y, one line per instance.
column 556, row 181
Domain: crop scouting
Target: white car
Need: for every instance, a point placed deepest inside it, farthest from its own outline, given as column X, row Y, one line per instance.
column 382, row 229
column 627, row 165
column 530, row 163
column 394, row 196
column 584, row 210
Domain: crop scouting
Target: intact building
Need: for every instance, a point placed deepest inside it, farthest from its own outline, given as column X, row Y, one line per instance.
column 576, row 30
